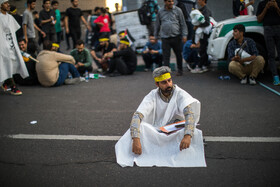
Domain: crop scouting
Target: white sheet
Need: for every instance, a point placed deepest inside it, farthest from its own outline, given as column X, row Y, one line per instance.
column 161, row 150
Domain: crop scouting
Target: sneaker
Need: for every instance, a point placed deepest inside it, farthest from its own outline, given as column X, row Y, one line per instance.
column 15, row 91
column 82, row 79
column 72, row 81
column 189, row 67
column 244, row 80
column 146, row 70
column 99, row 70
column 204, row 69
column 252, row 81
column 5, row 88
column 197, row 70
column 276, row 81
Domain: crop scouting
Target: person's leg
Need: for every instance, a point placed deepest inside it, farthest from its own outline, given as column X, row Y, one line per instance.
column 257, row 65
column 73, row 70
column 73, row 35
column 112, row 65
column 236, row 69
column 270, row 46
column 166, row 51
column 148, row 60
column 203, row 51
column 176, row 45
column 190, row 30
column 63, row 72
column 158, row 60
column 122, row 67
column 58, row 37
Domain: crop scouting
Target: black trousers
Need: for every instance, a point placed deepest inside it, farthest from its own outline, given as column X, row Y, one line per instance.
column 83, row 69
column 75, row 35
column 272, row 40
column 176, row 44
column 203, row 51
column 147, row 57
column 119, row 65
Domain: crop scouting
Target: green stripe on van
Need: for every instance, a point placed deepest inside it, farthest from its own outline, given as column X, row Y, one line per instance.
column 227, row 28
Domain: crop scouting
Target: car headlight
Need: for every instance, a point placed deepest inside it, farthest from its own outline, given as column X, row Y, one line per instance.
column 218, row 29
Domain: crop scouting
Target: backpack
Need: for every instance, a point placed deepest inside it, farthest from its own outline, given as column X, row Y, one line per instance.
column 145, row 14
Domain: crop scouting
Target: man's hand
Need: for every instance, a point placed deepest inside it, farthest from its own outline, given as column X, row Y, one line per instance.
column 43, row 34
column 236, row 58
column 136, row 146
column 185, row 143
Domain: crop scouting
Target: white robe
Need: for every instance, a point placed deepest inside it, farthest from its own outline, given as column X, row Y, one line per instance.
column 11, row 61
column 159, row 149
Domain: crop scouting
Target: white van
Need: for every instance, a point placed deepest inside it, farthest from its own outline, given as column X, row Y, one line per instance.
column 222, row 35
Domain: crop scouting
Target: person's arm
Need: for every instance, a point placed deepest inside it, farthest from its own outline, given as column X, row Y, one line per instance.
column 39, row 30
column 88, row 60
column 261, row 15
column 189, row 128
column 124, row 52
column 25, row 32
column 64, row 58
column 66, row 24
column 250, row 3
column 206, row 17
column 183, row 26
column 85, row 22
column 135, row 132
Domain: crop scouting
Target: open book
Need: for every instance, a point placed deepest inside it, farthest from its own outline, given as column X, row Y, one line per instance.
column 173, row 127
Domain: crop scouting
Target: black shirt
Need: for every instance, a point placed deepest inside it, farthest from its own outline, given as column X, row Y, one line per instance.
column 44, row 15
column 104, row 50
column 74, row 16
column 271, row 17
column 129, row 57
column 207, row 14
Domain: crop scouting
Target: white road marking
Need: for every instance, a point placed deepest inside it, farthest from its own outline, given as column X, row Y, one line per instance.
column 116, row 138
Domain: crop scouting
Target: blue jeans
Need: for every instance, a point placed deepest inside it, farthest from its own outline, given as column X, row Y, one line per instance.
column 64, row 68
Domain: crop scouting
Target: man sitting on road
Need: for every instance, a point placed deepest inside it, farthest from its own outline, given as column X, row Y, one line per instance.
column 152, row 53
column 164, row 105
column 105, row 46
column 244, row 62
column 124, row 60
column 82, row 57
column 53, row 67
column 30, row 63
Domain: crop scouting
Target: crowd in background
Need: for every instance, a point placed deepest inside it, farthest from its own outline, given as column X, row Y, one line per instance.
column 185, row 28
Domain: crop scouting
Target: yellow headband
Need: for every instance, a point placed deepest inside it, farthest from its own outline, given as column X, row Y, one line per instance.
column 55, row 45
column 163, row 77
column 103, row 39
column 122, row 34
column 124, row 42
column 13, row 11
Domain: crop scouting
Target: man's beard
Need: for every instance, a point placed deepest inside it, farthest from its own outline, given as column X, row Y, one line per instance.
column 168, row 90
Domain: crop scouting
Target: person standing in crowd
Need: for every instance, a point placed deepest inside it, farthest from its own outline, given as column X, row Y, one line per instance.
column 117, row 8
column 152, row 53
column 154, row 8
column 30, row 63
column 268, row 13
column 83, row 60
column 38, row 23
column 11, row 61
column 18, row 18
column 57, row 25
column 245, row 63
column 103, row 21
column 72, row 22
column 48, row 20
column 29, row 27
column 105, row 46
column 170, row 18
column 203, row 61
column 187, row 6
column 95, row 28
column 54, row 67
column 242, row 7
column 124, row 60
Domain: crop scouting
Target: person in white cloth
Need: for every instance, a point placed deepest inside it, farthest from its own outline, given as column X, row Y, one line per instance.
column 164, row 105
column 11, row 61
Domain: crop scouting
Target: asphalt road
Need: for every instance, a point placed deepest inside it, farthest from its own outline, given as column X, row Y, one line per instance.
column 105, row 107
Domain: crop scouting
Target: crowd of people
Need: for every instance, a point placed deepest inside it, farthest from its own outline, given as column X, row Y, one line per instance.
column 28, row 60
